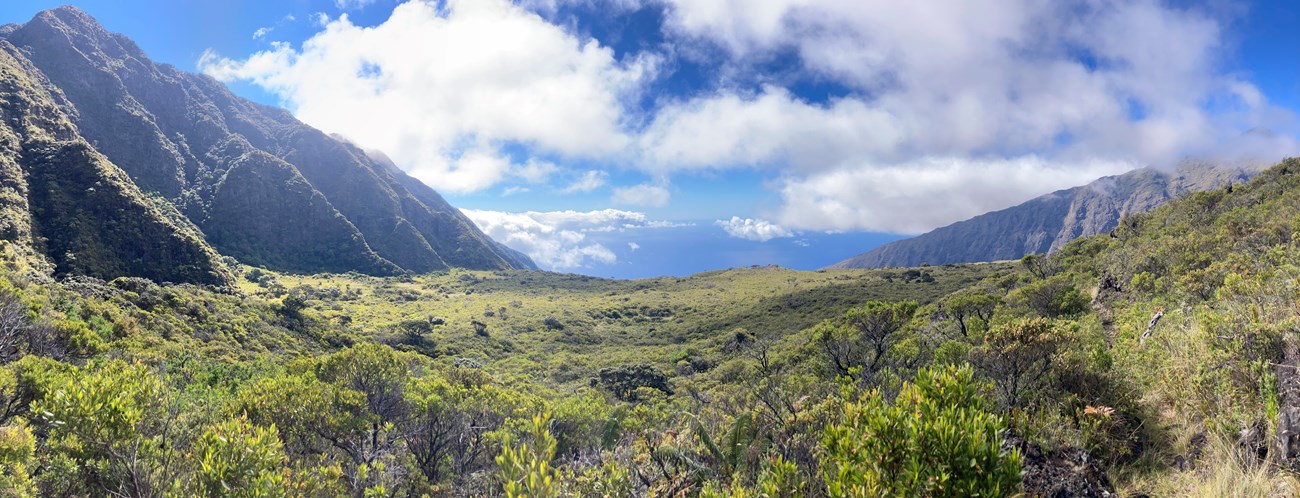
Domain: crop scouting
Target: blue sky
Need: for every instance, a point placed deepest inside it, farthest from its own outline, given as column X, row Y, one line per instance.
column 774, row 131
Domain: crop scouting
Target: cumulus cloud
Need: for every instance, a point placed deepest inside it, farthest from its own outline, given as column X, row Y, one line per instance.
column 557, row 240
column 1116, row 80
column 633, row 246
column 442, row 90
column 753, row 229
column 1050, row 93
column 645, row 195
column 773, row 128
column 917, row 196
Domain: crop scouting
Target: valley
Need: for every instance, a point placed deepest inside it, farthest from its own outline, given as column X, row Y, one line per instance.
column 205, row 295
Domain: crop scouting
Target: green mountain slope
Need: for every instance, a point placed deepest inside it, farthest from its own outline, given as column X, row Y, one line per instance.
column 1045, row 224
column 64, row 201
column 254, row 197
column 259, row 184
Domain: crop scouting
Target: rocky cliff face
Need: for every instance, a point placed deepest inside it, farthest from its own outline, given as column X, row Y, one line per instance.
column 258, row 184
column 1046, row 223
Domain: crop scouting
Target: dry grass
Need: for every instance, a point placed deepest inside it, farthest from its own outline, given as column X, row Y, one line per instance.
column 1224, row 472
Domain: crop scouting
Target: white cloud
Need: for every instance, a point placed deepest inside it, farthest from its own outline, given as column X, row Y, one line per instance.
column 924, row 194
column 753, row 229
column 981, row 78
column 645, row 195
column 558, row 239
column 939, row 96
column 262, row 32
column 946, row 109
column 668, row 224
column 633, row 246
column 590, row 180
column 436, row 86
column 773, row 128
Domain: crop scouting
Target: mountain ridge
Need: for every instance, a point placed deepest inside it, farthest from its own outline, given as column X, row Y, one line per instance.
column 258, row 184
column 1048, row 222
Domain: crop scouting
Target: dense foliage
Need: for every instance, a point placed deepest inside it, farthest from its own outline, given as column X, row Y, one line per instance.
column 1129, row 363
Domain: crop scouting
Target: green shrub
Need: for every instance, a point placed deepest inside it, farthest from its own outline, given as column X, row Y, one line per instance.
column 526, row 470
column 235, row 458
column 17, row 458
column 109, row 426
column 936, row 440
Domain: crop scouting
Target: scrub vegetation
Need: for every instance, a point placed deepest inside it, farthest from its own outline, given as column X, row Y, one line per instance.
column 1158, row 359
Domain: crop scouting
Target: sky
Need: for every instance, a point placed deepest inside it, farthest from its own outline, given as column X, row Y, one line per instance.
column 633, row 138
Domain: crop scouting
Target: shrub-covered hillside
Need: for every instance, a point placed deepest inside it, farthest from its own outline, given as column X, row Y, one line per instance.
column 1158, row 360
column 113, row 165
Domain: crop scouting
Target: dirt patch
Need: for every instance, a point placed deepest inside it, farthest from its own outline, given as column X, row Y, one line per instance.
column 1061, row 473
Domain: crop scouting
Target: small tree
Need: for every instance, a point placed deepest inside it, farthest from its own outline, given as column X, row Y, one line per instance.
column 1037, row 265
column 856, row 346
column 1017, row 356
column 376, row 372
column 969, row 309
column 15, row 328
column 1053, row 297
column 624, row 381
column 414, row 330
column 552, row 323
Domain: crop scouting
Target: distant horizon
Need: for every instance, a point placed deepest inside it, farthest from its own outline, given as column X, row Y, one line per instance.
column 658, row 252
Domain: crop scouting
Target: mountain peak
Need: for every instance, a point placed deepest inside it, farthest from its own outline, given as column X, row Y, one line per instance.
column 70, row 16
column 208, row 172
